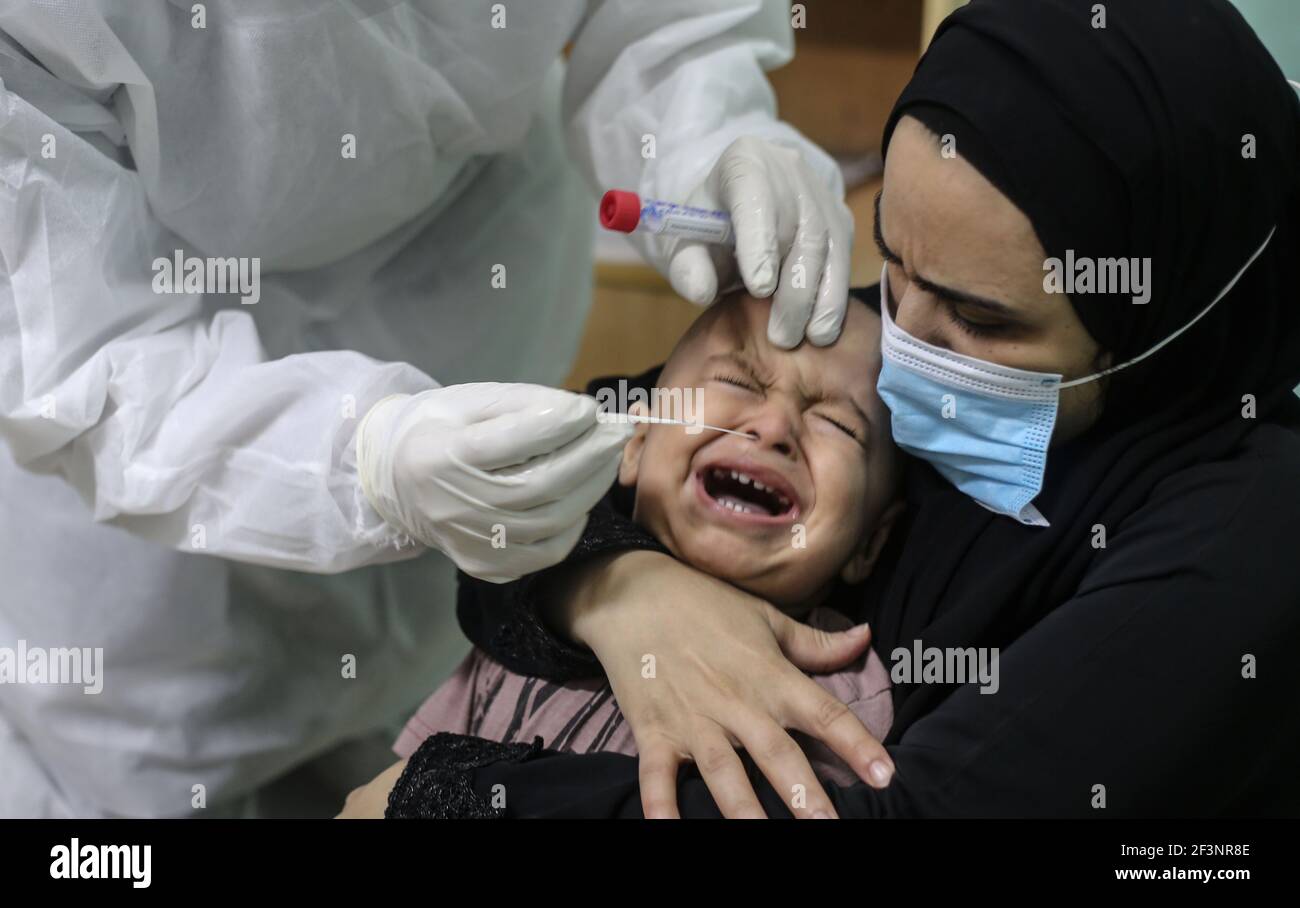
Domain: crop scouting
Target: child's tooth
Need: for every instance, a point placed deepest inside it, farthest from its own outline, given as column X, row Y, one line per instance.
column 744, row 480
column 758, row 485
column 734, row 475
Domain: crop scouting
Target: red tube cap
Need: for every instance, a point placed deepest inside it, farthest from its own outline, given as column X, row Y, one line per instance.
column 620, row 210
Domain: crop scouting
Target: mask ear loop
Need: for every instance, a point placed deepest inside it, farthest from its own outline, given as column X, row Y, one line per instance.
column 1222, row 293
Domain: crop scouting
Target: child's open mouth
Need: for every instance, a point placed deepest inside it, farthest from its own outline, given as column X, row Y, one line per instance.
column 747, row 495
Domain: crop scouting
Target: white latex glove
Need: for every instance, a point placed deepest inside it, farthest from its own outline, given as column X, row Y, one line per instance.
column 783, row 217
column 461, row 467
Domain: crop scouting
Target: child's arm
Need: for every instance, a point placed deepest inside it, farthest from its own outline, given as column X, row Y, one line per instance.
column 370, row 800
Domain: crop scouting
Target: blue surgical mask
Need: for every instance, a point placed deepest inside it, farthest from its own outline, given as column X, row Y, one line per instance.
column 984, row 427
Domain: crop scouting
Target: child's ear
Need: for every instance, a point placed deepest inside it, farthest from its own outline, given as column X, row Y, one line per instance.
column 860, row 565
column 630, row 467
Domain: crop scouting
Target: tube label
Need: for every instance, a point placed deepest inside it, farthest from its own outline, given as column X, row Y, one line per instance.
column 702, row 225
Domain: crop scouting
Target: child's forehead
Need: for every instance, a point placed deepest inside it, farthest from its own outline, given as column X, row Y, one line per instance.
column 738, row 331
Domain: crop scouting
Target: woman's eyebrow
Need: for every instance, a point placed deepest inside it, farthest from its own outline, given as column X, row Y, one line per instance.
column 946, row 293
column 966, row 299
column 885, row 252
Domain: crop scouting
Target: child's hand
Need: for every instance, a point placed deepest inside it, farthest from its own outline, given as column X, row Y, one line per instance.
column 371, row 800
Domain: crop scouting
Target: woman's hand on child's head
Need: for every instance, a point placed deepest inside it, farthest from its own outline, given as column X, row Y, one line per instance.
column 701, row 669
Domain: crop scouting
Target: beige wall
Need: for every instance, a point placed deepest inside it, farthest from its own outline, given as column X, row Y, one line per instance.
column 934, row 12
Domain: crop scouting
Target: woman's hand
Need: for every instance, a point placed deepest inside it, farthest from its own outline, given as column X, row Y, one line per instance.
column 700, row 668
column 371, row 800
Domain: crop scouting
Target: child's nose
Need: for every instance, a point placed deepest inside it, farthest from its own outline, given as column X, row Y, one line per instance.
column 776, row 423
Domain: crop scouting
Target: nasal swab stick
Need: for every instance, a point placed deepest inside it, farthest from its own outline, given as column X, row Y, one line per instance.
column 665, row 421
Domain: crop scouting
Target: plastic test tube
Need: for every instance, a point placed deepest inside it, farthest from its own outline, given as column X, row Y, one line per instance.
column 626, row 211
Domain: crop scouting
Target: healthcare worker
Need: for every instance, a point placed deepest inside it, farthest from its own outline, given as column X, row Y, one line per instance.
column 182, row 481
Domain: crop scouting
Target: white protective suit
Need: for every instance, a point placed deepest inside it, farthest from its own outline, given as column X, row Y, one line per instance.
column 177, row 473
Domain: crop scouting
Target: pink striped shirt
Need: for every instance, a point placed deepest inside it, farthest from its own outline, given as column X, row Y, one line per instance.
column 485, row 699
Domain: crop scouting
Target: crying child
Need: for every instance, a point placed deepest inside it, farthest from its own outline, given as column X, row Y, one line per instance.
column 805, row 503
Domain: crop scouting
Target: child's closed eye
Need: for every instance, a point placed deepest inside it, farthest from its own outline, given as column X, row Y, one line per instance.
column 747, row 383
column 847, row 430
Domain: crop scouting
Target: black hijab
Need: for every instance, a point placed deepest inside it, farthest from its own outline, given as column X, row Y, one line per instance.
column 1124, row 140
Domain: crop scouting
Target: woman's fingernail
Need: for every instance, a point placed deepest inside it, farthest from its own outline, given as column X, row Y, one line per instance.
column 880, row 773
column 861, row 630
column 821, row 815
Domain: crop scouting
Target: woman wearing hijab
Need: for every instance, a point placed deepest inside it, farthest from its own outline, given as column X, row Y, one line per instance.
column 1111, row 499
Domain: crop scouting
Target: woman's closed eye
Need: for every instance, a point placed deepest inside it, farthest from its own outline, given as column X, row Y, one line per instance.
column 975, row 327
